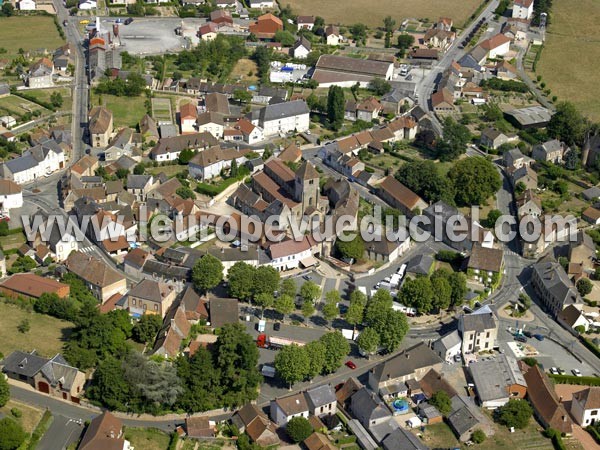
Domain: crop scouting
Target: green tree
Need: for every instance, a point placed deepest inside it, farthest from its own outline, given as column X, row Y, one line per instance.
column 292, row 364
column 441, row 400
column 336, row 105
column 201, row 381
column 316, row 353
column 379, row 86
column 584, row 286
column 185, row 156
column 207, row 273
column 358, row 32
column 264, row 300
column 4, row 391
column 4, row 228
column 458, row 282
column 24, row 326
column 286, row 38
column 492, row 217
column 56, row 99
column 353, row 249
column 298, row 429
column 266, row 279
column 139, row 169
column 418, row 293
column 442, row 293
column 12, row 434
column 475, row 179
column 368, row 341
column 336, row 349
column 7, row 9
column 284, row 304
column 330, row 308
column 515, row 413
column 185, row 192
column 109, row 386
column 478, row 436
column 424, row 178
column 146, row 328
column 288, row 287
column 310, row 291
column 454, row 142
column 567, row 124
column 308, row 308
column 389, row 24
column 240, row 280
column 405, row 41
column 356, row 310
column 242, row 96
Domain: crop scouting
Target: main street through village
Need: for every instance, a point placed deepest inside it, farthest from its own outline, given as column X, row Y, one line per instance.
column 560, row 347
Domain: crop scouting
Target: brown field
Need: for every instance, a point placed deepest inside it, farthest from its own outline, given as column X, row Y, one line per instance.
column 241, row 69
column 569, row 59
column 15, row 33
column 372, row 13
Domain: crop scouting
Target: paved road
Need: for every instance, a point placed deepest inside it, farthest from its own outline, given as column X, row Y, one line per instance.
column 529, row 82
column 62, row 432
column 454, row 53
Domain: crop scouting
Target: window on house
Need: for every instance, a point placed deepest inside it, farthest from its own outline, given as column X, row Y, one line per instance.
column 487, row 335
column 145, row 307
column 594, row 412
column 155, row 307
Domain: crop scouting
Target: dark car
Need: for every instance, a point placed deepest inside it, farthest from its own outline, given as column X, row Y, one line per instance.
column 276, row 326
column 307, row 277
column 538, row 336
column 521, row 338
column 128, row 21
column 351, row 365
column 528, row 334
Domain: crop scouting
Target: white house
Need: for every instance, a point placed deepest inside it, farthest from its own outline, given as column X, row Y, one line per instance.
column 209, row 163
column 322, row 400
column 288, row 254
column 27, row 5
column 187, row 118
column 447, row 347
column 498, row 45
column 11, row 196
column 86, row 5
column 305, row 22
column 282, row 118
column 285, row 408
column 585, row 406
column 212, row 123
column 40, row 74
column 39, row 161
column 261, row 4
column 301, row 48
column 332, row 35
column 478, row 330
column 168, row 149
column 8, row 122
column 251, row 134
column 522, row 9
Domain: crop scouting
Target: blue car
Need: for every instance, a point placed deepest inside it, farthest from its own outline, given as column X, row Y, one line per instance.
column 539, row 337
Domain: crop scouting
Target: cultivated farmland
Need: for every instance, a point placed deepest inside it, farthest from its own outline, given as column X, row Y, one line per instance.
column 29, row 33
column 570, row 57
column 372, row 13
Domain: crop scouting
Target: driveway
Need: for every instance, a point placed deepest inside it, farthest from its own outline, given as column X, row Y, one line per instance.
column 62, row 433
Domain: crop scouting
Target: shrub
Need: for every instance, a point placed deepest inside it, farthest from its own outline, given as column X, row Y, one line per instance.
column 478, row 436
column 16, row 412
column 298, row 429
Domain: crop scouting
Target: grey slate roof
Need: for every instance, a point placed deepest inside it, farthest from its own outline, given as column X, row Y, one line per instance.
column 320, row 396
column 556, row 281
column 280, row 111
column 137, row 181
column 21, row 363
column 367, row 407
column 450, row 340
column 405, row 363
column 401, row 439
column 420, row 264
column 478, row 322
column 57, row 370
column 493, row 377
column 465, row 414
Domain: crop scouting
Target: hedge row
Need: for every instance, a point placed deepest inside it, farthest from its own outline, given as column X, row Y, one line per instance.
column 572, row 379
column 590, row 346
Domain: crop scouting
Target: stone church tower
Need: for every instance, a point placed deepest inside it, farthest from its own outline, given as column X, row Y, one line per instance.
column 306, row 188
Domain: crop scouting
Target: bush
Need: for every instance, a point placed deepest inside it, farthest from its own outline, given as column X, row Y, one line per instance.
column 478, row 436
column 298, row 429
column 515, row 413
column 572, row 379
column 448, row 256
column 557, row 441
column 16, row 412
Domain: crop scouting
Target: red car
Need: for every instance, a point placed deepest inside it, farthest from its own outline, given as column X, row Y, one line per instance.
column 351, row 365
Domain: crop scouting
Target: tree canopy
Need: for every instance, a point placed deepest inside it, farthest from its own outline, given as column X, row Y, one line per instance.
column 515, row 413
column 292, row 364
column 12, row 434
column 567, row 124
column 476, row 179
column 424, row 178
column 336, row 105
column 298, row 429
column 454, row 141
column 441, row 400
column 207, row 273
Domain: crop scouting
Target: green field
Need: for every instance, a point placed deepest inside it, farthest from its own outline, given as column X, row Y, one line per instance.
column 47, row 334
column 127, row 111
column 568, row 62
column 29, row 33
column 147, row 438
column 44, row 96
column 17, row 106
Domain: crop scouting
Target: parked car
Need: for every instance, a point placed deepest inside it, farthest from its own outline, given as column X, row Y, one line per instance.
column 307, row 277
column 538, row 336
column 527, row 334
column 128, row 21
column 520, row 338
column 576, row 372
column 276, row 326
column 351, row 365
column 553, row 370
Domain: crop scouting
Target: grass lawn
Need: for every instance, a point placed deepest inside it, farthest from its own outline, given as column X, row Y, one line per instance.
column 147, row 438
column 47, row 334
column 242, row 69
column 44, row 95
column 17, row 32
column 12, row 241
column 127, row 111
column 169, row 171
column 17, row 106
column 372, row 14
column 568, row 63
column 30, row 415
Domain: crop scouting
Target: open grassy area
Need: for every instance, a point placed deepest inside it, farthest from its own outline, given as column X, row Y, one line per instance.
column 12, row 241
column 147, row 438
column 47, row 334
column 29, row 33
column 244, row 71
column 127, row 111
column 44, row 96
column 30, row 415
column 372, row 13
column 569, row 60
column 17, row 106
column 169, row 171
